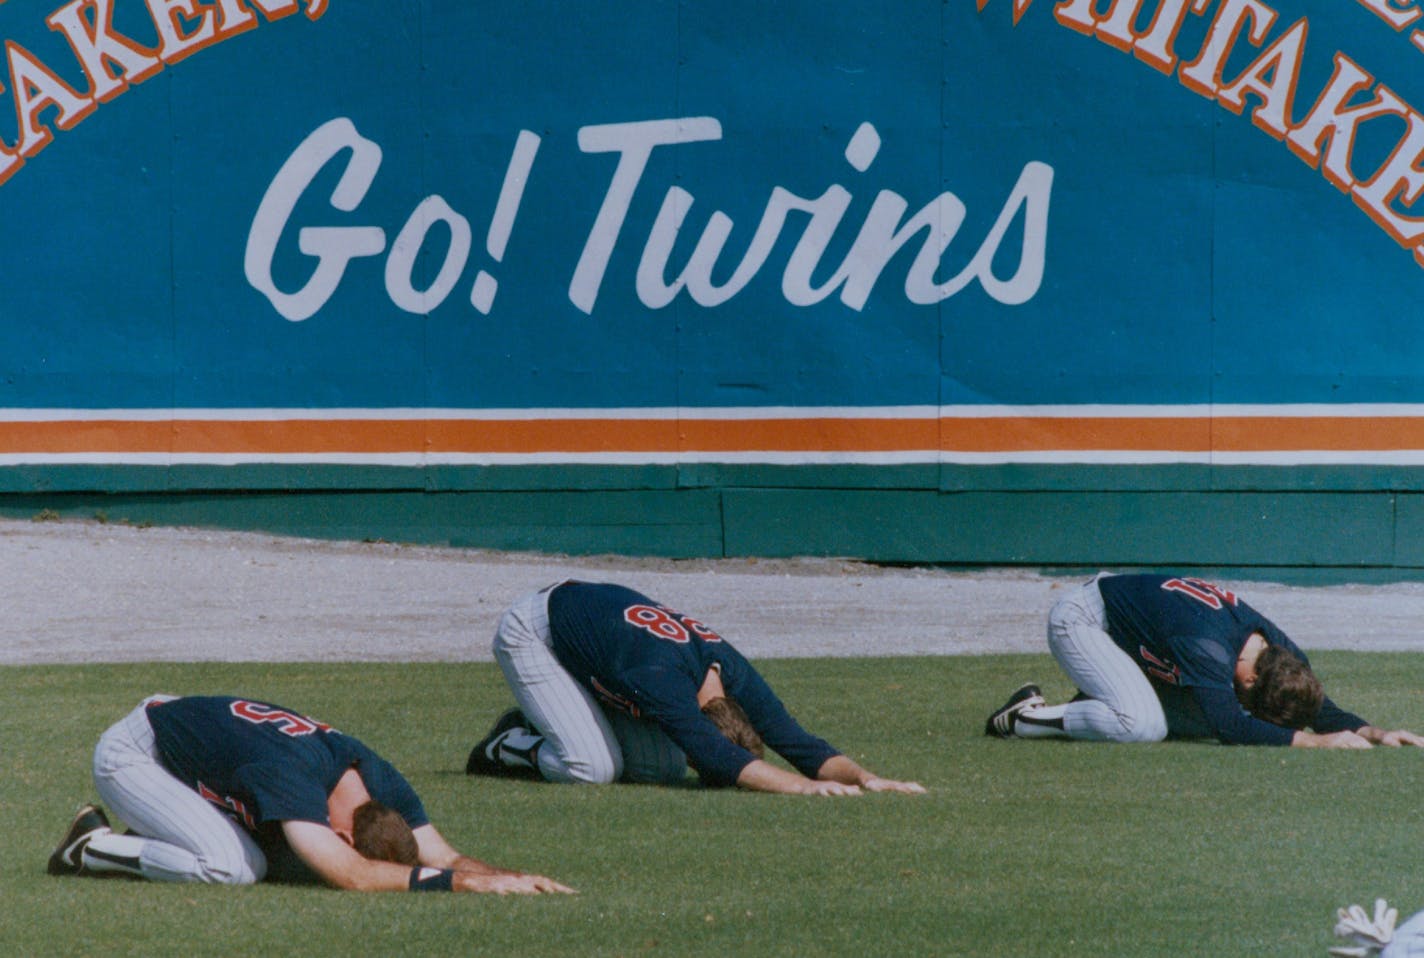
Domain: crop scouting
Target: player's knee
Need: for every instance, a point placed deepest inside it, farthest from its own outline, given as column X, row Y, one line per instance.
column 596, row 770
column 210, row 875
column 231, row 867
column 1141, row 728
column 603, row 772
column 585, row 775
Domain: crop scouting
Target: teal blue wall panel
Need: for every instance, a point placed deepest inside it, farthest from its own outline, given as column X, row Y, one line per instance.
column 996, row 281
column 1067, row 528
column 1345, row 535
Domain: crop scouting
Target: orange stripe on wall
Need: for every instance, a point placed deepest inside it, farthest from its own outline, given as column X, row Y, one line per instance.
column 298, row 436
column 700, row 435
column 1267, row 433
column 468, row 436
column 553, row 435
column 1032, row 434
column 1185, row 434
column 95, row 436
column 987, row 434
column 809, row 435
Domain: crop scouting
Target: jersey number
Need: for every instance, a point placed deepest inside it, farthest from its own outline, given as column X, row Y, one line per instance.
column 230, row 805
column 660, row 622
column 288, row 723
column 1205, row 592
column 1165, row 671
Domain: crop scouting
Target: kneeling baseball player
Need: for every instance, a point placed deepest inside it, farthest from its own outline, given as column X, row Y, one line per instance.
column 216, row 788
column 611, row 685
column 1160, row 655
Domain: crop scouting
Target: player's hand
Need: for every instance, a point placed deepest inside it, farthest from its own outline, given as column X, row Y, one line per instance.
column 511, row 883
column 890, row 785
column 1367, row 933
column 817, row 787
column 545, row 885
column 1331, row 740
column 1400, row 737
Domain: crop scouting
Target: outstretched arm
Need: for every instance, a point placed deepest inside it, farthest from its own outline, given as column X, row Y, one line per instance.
column 762, row 776
column 436, row 852
column 1343, row 739
column 1392, row 738
column 340, row 865
column 839, row 768
column 838, row 775
column 1235, row 727
column 1332, row 718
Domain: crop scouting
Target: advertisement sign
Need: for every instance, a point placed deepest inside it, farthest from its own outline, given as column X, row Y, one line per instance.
column 426, row 234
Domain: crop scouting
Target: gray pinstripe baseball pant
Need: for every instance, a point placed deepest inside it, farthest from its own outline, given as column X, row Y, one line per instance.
column 178, row 836
column 584, row 742
column 1121, row 705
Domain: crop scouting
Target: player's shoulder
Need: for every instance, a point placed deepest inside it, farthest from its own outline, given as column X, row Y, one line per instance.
column 1191, row 591
column 1133, row 580
column 581, row 594
column 350, row 750
column 1132, row 584
column 193, row 705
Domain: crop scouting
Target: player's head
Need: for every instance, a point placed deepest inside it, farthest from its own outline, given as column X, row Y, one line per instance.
column 378, row 832
column 1285, row 691
column 732, row 722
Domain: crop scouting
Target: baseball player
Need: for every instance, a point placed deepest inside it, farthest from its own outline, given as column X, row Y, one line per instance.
column 610, row 684
column 1160, row 655
column 215, row 787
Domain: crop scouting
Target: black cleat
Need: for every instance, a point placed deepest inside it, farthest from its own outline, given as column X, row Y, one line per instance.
column 1001, row 723
column 484, row 757
column 88, row 822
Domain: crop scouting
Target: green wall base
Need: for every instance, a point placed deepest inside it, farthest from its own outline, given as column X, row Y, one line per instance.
column 1356, row 536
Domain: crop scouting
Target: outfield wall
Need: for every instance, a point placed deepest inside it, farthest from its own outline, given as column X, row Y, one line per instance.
column 987, row 281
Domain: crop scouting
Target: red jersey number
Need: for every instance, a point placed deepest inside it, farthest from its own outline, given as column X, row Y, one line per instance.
column 1202, row 591
column 288, row 723
column 660, row 622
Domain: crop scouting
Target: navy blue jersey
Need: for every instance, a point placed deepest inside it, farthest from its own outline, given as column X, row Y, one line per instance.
column 649, row 661
column 261, row 763
column 1187, row 633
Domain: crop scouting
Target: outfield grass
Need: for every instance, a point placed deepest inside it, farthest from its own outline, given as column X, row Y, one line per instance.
column 1019, row 849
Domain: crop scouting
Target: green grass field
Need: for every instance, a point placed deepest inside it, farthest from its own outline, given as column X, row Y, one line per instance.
column 1020, row 848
